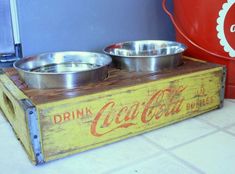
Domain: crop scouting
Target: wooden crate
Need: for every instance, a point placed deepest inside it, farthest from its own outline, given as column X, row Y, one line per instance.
column 55, row 123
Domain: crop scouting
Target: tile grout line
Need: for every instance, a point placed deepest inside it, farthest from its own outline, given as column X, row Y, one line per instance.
column 186, row 163
column 193, row 140
column 230, row 100
column 230, row 133
column 217, row 127
column 229, row 126
column 134, row 162
column 167, row 151
column 189, row 141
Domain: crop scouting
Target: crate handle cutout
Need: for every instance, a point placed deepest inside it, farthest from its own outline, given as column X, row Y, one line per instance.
column 9, row 105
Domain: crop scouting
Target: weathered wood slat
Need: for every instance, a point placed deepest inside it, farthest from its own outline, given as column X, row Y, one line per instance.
column 117, row 79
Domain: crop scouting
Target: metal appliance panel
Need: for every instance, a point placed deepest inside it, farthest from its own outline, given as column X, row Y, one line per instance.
column 6, row 34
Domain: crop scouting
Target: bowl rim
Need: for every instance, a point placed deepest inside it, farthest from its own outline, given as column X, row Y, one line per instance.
column 136, row 56
column 25, row 59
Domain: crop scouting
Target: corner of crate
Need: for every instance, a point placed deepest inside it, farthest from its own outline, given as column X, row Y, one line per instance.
column 20, row 112
column 222, row 90
column 34, row 130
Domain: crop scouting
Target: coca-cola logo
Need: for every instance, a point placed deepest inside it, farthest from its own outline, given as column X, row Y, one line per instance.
column 147, row 111
column 226, row 27
column 163, row 103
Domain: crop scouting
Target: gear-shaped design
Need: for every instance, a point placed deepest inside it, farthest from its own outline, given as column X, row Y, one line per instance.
column 220, row 27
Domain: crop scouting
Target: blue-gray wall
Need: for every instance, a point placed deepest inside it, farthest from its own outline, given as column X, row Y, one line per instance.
column 57, row 25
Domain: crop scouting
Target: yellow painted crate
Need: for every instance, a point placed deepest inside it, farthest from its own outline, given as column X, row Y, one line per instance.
column 55, row 123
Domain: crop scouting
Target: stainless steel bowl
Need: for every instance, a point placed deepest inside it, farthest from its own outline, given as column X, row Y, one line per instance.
column 63, row 69
column 146, row 55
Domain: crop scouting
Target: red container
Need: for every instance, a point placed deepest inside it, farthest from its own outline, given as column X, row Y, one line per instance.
column 207, row 27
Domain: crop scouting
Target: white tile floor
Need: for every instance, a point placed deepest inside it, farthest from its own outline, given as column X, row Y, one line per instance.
column 2, row 119
column 204, row 144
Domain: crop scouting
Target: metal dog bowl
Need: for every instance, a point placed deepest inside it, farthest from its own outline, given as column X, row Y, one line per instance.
column 146, row 55
column 63, row 69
